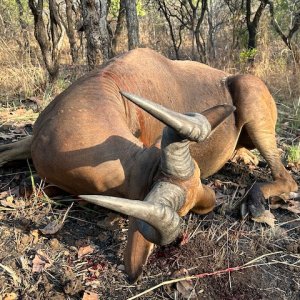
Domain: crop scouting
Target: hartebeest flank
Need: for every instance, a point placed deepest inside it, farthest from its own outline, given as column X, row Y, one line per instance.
column 91, row 140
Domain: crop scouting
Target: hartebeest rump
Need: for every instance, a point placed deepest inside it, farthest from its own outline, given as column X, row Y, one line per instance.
column 91, row 140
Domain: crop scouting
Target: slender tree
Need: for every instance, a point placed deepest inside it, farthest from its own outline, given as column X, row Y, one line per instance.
column 49, row 36
column 70, row 29
column 175, row 31
column 287, row 37
column 252, row 25
column 94, row 13
column 119, row 26
column 132, row 24
column 23, row 25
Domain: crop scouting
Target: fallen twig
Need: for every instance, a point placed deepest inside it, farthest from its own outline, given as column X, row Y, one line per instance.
column 220, row 272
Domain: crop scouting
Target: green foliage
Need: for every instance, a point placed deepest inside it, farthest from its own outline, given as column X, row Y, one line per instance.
column 115, row 5
column 9, row 9
column 247, row 55
column 293, row 153
column 140, row 8
column 9, row 17
column 114, row 8
column 283, row 10
column 9, row 12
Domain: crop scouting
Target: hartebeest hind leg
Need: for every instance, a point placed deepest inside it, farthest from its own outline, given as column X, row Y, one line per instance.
column 264, row 140
column 256, row 113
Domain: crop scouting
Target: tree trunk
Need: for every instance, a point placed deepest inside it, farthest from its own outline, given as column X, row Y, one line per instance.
column 252, row 26
column 23, row 25
column 201, row 45
column 70, row 28
column 50, row 42
column 104, row 34
column 132, row 24
column 119, row 26
column 252, row 31
column 94, row 13
column 287, row 38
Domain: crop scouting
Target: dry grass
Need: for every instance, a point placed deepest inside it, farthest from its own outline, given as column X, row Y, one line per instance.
column 19, row 77
column 16, row 117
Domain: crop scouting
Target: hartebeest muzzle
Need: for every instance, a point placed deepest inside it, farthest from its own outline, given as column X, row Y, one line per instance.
column 158, row 220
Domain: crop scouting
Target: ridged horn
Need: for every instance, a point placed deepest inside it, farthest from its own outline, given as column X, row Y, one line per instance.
column 194, row 127
column 158, row 220
column 217, row 114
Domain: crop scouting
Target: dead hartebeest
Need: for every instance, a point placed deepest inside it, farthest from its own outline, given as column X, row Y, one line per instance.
column 91, row 140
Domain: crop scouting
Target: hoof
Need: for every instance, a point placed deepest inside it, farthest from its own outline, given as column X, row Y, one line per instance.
column 246, row 156
column 253, row 205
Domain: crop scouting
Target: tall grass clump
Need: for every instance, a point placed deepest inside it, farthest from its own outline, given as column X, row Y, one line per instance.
column 21, row 75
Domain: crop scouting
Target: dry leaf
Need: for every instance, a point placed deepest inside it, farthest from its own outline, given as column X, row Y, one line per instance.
column 17, row 280
column 110, row 222
column 266, row 217
column 184, row 287
column 8, row 202
column 9, row 296
column 52, row 227
column 40, row 262
column 220, row 198
column 24, row 263
column 4, row 194
column 56, row 225
column 290, row 205
column 12, row 203
column 293, row 206
column 14, row 191
column 218, row 183
column 5, row 136
column 85, row 250
column 35, row 235
column 90, row 296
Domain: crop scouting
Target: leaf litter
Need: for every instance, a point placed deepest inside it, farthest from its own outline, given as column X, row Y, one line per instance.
column 54, row 226
column 40, row 262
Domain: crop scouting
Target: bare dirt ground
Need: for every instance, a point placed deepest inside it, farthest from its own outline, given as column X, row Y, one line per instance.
column 60, row 249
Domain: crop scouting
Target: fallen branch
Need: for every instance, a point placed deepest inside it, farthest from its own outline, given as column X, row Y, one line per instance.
column 220, row 272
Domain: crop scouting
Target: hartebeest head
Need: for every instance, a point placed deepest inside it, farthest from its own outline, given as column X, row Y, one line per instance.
column 158, row 216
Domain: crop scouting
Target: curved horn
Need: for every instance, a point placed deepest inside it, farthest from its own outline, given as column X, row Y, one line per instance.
column 157, row 216
column 176, row 159
column 217, row 114
column 193, row 126
column 158, row 220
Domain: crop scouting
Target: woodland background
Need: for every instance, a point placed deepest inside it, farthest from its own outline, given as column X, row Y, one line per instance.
column 44, row 45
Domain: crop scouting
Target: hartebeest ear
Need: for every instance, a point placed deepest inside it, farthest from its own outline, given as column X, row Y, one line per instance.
column 218, row 114
column 137, row 251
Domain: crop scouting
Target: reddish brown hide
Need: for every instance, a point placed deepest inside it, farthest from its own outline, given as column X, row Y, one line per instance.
column 91, row 140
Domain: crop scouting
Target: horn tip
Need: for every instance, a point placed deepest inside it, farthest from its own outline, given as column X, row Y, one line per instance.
column 86, row 197
column 126, row 95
